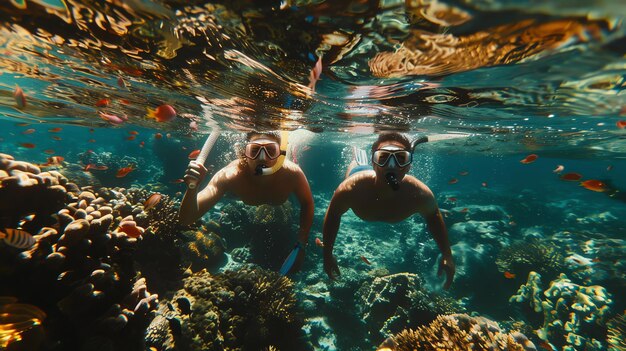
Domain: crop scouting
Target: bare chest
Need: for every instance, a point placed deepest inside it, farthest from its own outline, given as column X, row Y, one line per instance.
column 393, row 209
column 274, row 192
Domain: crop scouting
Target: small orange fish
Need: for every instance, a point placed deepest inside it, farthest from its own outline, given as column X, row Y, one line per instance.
column 529, row 159
column 141, row 144
column 91, row 140
column 163, row 113
column 509, row 275
column 23, row 124
column 194, row 154
column 464, row 210
column 558, row 169
column 594, row 185
column 158, row 136
column 133, row 132
column 122, row 172
column 103, row 102
column 56, row 137
column 130, row 229
column 621, row 124
column 28, row 145
column 152, row 201
column 177, row 181
column 55, row 130
column 463, row 173
column 124, row 102
column 573, row 177
column 17, row 238
column 29, row 131
column 100, row 167
column 319, row 242
column 55, row 160
column 131, row 137
column 365, row 260
column 49, row 151
column 453, row 181
column 20, row 98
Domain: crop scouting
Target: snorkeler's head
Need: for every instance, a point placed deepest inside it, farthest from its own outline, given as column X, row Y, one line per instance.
column 391, row 157
column 262, row 150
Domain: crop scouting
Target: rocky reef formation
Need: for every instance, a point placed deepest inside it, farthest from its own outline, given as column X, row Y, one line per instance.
column 617, row 330
column 80, row 271
column 393, row 302
column 574, row 316
column 523, row 257
column 458, row 332
column 247, row 309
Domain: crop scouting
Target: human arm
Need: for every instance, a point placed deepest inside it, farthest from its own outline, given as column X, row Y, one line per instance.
column 195, row 203
column 304, row 196
column 332, row 220
column 437, row 227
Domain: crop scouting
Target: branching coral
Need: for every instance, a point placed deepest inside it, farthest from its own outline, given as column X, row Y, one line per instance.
column 248, row 309
column 393, row 302
column 617, row 331
column 458, row 332
column 523, row 257
column 567, row 309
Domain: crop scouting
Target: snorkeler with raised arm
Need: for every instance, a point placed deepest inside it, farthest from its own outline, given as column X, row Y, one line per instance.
column 384, row 192
column 261, row 176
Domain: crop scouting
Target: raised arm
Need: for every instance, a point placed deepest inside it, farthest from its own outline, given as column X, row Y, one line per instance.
column 339, row 204
column 196, row 204
column 437, row 227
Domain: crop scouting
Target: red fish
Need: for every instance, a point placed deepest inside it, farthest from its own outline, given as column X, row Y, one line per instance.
column 621, row 124
column 56, row 137
column 122, row 172
column 103, row 102
column 529, row 159
column 28, row 131
column 91, row 140
column 158, row 136
column 55, row 130
column 20, row 98
column 315, row 74
column 594, row 185
column 194, row 154
column 55, row 160
column 453, row 181
column 452, row 199
column 131, row 137
column 130, row 228
column 141, row 144
column 152, row 201
column 573, row 177
column 177, row 181
column 49, row 151
column 28, row 145
column 365, row 260
column 124, row 102
column 509, row 275
column 133, row 132
column 163, row 113
column 319, row 242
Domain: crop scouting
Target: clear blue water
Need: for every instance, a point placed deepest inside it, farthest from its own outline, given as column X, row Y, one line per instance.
column 518, row 78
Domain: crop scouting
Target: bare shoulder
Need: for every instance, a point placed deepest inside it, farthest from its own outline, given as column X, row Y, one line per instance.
column 418, row 188
column 292, row 168
column 356, row 183
column 227, row 174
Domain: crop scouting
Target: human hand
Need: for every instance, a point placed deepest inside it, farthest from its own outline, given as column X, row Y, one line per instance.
column 447, row 264
column 330, row 266
column 195, row 173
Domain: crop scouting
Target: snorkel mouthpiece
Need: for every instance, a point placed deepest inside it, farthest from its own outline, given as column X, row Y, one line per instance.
column 259, row 170
column 392, row 181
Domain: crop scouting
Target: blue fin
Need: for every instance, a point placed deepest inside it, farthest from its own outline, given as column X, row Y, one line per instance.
column 290, row 260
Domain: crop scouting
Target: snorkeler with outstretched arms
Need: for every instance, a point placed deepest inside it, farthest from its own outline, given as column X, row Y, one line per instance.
column 384, row 192
column 261, row 176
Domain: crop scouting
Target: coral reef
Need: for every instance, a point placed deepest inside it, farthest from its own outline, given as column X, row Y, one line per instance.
column 458, row 332
column 201, row 249
column 273, row 236
column 80, row 271
column 393, row 302
column 568, row 311
column 616, row 333
column 522, row 257
column 248, row 309
column 25, row 190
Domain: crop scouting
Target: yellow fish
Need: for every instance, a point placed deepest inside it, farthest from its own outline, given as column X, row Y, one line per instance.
column 17, row 238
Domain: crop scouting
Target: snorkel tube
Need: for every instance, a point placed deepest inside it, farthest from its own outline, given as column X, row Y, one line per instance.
column 204, row 152
column 284, row 141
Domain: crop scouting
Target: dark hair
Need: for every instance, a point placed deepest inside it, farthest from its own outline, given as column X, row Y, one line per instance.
column 392, row 136
column 272, row 134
